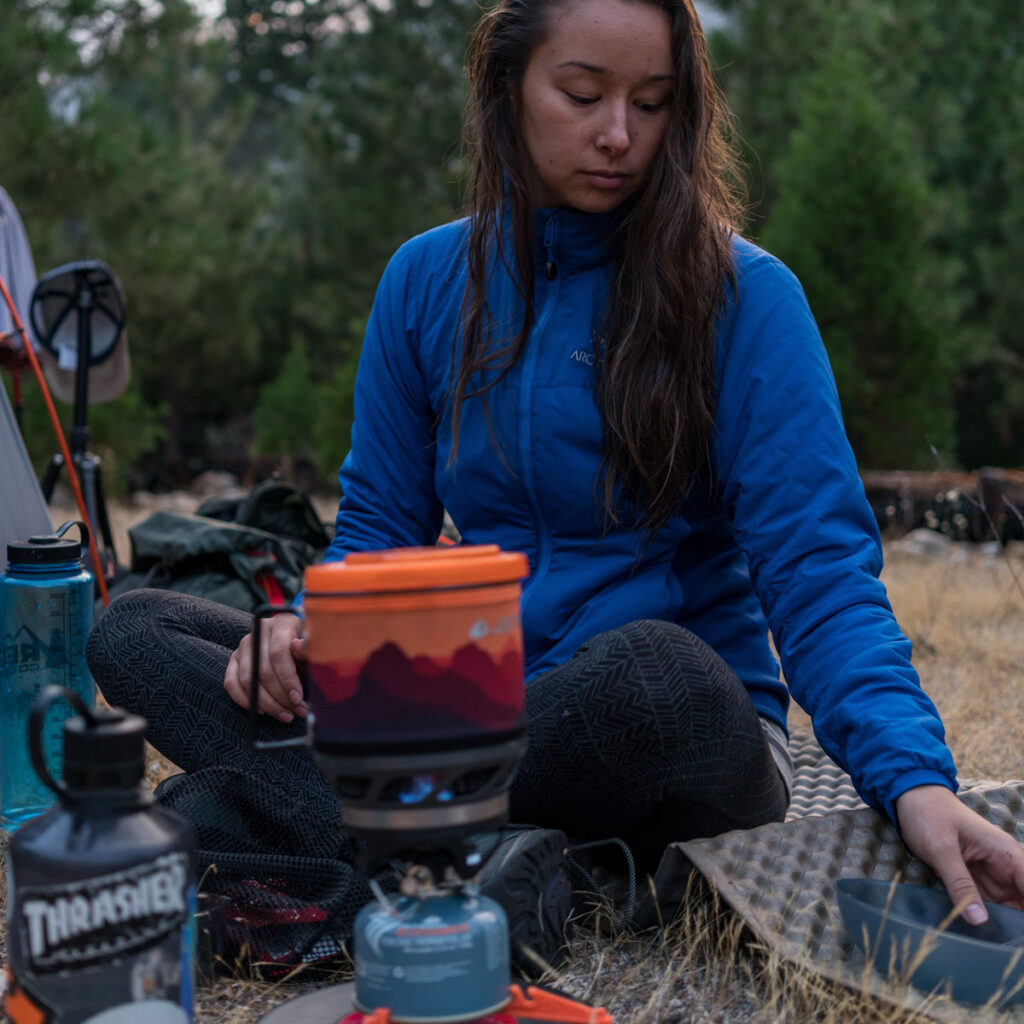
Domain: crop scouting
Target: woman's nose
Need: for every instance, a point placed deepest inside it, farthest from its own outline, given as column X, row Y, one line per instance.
column 613, row 135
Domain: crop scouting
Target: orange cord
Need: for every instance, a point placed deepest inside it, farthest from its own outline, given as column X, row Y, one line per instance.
column 65, row 452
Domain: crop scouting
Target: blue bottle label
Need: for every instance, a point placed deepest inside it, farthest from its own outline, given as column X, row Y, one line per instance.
column 44, row 625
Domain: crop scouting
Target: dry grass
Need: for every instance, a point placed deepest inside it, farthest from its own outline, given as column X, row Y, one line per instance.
column 965, row 614
column 706, row 967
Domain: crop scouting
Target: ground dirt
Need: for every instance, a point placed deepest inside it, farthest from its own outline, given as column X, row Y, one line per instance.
column 963, row 608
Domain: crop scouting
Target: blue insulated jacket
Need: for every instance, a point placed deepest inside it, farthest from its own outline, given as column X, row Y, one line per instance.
column 784, row 542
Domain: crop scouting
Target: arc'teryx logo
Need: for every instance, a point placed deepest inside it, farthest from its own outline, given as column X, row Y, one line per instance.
column 581, row 355
column 586, row 355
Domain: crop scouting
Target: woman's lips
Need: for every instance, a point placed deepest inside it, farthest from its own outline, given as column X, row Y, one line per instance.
column 605, row 179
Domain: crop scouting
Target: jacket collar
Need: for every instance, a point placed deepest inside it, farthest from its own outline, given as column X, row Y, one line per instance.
column 573, row 240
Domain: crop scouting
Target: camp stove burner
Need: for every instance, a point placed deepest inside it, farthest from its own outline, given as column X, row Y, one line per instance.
column 448, row 802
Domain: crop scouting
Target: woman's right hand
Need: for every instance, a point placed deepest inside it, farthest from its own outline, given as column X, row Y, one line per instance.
column 282, row 647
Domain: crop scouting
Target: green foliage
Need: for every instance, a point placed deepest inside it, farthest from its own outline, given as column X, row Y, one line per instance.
column 285, row 415
column 120, row 449
column 306, row 411
column 950, row 77
column 376, row 156
column 373, row 159
column 248, row 176
column 38, row 66
column 852, row 222
column 146, row 181
column 179, row 223
column 333, row 427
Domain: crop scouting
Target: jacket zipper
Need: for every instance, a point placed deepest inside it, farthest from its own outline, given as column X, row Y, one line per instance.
column 525, row 426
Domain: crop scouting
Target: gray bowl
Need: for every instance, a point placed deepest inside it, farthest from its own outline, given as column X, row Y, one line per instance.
column 905, row 932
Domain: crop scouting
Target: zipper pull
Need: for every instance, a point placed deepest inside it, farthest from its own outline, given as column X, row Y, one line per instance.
column 551, row 267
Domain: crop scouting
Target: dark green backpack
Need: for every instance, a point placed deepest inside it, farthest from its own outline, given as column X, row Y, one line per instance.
column 241, row 552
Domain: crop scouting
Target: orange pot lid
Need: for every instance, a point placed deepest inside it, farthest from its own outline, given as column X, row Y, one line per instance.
column 463, row 565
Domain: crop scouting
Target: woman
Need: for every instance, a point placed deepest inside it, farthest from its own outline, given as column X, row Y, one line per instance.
column 639, row 400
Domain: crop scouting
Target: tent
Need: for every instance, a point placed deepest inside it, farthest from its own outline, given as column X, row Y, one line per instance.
column 22, row 508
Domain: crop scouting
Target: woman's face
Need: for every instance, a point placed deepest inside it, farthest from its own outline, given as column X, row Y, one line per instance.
column 594, row 102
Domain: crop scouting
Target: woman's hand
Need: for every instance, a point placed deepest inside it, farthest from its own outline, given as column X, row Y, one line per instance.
column 282, row 646
column 975, row 859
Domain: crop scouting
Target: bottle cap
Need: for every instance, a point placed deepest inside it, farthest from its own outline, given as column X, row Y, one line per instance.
column 49, row 548
column 106, row 753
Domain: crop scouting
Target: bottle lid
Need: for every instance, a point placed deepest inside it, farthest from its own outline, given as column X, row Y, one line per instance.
column 107, row 752
column 464, row 565
column 49, row 548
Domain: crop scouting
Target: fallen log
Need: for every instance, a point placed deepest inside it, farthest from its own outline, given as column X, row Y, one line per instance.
column 972, row 506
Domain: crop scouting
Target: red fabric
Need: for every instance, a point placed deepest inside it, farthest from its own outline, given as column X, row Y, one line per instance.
column 268, row 584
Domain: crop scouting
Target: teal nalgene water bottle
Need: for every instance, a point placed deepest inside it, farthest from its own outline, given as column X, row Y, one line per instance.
column 46, row 602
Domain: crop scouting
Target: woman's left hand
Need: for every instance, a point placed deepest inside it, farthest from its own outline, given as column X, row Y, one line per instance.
column 975, row 859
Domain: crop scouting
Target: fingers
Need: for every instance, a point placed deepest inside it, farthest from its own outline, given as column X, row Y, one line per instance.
column 279, row 689
column 237, row 670
column 298, row 649
column 996, row 860
column 238, row 681
column 279, row 678
column 930, row 819
column 951, row 867
column 972, row 857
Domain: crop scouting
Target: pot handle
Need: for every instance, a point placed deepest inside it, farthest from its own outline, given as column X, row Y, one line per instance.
column 264, row 611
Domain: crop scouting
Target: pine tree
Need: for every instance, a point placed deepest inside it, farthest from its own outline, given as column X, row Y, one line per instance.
column 852, row 220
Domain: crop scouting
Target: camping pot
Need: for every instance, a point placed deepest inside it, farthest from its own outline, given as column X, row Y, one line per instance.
column 416, row 694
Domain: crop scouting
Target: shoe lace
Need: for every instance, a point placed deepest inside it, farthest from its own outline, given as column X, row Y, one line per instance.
column 627, row 913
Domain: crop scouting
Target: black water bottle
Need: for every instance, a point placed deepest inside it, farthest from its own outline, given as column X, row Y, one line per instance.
column 101, row 888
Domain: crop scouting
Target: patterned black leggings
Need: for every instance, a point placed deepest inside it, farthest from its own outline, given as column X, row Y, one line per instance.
column 645, row 734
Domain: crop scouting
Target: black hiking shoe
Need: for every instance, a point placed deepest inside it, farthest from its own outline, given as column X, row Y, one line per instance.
column 529, row 876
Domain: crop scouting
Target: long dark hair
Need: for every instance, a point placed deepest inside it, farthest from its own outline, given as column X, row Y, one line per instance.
column 656, row 380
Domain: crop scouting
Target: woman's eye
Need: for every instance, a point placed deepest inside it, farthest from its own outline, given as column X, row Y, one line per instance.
column 583, row 100
column 651, row 108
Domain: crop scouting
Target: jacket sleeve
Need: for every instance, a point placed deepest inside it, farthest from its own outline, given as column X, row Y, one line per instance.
column 387, row 478
column 790, row 485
